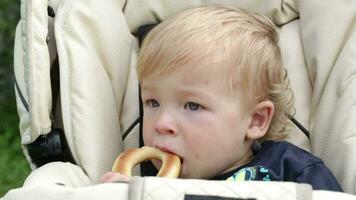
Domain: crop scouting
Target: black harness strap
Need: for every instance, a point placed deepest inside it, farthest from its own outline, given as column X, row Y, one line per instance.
column 23, row 100
column 299, row 125
column 132, row 126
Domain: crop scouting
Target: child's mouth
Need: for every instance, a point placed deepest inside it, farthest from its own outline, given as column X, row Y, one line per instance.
column 181, row 160
column 165, row 149
column 158, row 163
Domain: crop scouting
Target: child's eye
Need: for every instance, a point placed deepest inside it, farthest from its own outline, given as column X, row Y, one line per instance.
column 152, row 103
column 192, row 106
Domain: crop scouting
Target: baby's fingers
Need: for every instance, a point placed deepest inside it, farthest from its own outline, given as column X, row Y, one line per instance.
column 112, row 177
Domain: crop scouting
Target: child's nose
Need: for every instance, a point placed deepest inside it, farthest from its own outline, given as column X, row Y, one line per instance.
column 166, row 125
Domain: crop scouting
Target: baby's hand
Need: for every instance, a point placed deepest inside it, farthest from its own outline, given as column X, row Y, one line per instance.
column 112, row 177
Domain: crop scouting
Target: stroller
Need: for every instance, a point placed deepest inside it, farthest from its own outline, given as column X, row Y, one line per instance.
column 79, row 106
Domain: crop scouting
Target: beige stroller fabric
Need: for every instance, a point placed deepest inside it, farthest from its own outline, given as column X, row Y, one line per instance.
column 97, row 53
column 156, row 188
column 179, row 189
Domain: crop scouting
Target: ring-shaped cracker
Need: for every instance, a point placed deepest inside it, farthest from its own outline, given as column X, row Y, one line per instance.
column 127, row 160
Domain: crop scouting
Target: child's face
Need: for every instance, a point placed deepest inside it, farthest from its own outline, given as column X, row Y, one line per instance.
column 197, row 119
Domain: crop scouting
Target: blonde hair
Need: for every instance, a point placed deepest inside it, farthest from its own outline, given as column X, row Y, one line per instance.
column 245, row 45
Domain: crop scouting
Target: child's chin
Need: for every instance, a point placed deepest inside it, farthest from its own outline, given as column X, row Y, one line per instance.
column 184, row 172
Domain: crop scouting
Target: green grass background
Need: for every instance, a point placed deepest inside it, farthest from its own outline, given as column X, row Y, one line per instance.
column 13, row 165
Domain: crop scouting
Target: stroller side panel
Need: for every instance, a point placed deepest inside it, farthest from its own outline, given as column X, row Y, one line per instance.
column 329, row 38
column 97, row 61
column 94, row 102
column 21, row 96
column 32, row 74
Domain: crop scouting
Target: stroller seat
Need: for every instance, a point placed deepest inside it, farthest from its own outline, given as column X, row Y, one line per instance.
column 78, row 94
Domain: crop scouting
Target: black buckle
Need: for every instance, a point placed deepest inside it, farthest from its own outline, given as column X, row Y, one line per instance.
column 49, row 148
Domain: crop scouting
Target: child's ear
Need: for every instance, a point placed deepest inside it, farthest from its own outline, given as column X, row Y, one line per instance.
column 261, row 118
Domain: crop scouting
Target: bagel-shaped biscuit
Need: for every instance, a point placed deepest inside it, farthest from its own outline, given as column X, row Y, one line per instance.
column 127, row 160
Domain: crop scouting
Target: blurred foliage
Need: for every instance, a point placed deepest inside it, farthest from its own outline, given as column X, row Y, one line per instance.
column 13, row 166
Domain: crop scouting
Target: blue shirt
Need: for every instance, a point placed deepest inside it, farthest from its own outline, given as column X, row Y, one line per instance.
column 283, row 161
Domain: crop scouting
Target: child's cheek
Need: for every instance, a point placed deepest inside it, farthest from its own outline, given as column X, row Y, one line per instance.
column 147, row 135
column 200, row 117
